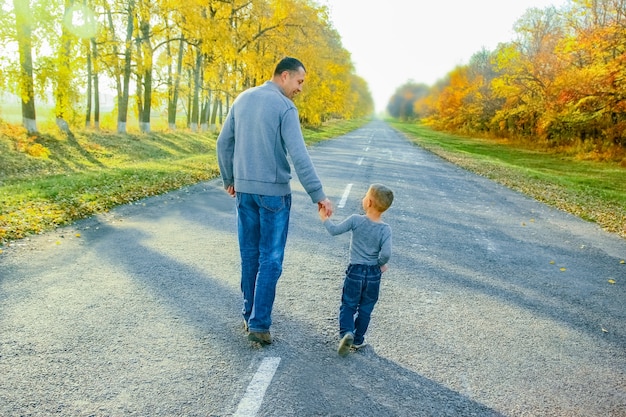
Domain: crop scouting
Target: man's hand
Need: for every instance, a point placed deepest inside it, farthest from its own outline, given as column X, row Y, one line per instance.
column 231, row 190
column 327, row 206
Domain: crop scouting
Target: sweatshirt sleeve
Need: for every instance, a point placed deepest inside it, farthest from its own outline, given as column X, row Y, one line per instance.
column 296, row 148
column 339, row 228
column 226, row 150
column 385, row 249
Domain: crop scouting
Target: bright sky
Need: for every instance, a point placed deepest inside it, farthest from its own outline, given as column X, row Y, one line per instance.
column 394, row 41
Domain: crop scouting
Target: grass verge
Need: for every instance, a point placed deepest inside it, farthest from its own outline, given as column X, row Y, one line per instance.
column 594, row 191
column 52, row 179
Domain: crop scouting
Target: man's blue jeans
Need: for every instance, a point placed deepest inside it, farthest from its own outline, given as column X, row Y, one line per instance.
column 263, row 222
column 360, row 293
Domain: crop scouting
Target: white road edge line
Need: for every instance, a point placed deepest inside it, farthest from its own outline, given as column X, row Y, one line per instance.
column 252, row 399
column 344, row 197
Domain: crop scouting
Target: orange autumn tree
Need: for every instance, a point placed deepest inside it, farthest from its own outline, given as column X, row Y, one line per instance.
column 527, row 69
column 592, row 89
column 561, row 81
column 464, row 101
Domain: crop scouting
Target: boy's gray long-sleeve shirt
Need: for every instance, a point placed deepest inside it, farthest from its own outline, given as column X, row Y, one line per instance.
column 370, row 243
column 261, row 129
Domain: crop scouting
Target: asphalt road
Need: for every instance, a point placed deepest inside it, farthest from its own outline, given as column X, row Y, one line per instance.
column 493, row 305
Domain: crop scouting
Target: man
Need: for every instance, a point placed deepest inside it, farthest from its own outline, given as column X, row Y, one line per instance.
column 260, row 130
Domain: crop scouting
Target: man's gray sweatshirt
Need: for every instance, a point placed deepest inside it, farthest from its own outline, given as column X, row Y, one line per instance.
column 263, row 127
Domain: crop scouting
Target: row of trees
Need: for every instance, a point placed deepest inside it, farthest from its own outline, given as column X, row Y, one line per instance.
column 562, row 80
column 168, row 54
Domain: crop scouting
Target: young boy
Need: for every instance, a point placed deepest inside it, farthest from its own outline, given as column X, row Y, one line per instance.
column 370, row 250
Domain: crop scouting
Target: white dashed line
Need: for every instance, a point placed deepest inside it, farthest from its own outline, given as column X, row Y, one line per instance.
column 251, row 401
column 345, row 195
column 360, row 161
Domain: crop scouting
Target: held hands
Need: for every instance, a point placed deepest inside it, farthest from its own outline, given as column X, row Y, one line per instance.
column 322, row 212
column 325, row 209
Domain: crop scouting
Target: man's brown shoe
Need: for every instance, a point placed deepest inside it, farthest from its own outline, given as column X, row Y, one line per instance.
column 263, row 338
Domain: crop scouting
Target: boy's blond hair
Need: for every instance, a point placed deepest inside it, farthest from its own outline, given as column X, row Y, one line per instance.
column 382, row 197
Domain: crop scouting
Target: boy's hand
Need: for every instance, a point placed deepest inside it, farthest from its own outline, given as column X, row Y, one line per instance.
column 327, row 206
column 383, row 268
column 321, row 210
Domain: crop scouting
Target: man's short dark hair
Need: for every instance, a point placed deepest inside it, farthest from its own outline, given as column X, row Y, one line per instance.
column 288, row 64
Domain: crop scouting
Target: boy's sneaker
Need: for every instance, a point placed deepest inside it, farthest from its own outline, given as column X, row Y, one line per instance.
column 345, row 344
column 263, row 338
column 358, row 346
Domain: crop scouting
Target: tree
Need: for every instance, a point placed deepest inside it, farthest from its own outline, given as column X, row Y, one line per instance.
column 124, row 94
column 527, row 69
column 480, row 103
column 26, row 86
column 145, row 55
column 206, row 50
column 116, row 54
column 591, row 103
column 402, row 103
column 93, row 85
column 63, row 90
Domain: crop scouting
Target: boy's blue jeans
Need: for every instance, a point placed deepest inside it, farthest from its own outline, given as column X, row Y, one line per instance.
column 360, row 293
column 262, row 222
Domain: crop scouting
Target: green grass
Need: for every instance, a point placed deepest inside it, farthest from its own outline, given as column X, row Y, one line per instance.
column 594, row 191
column 52, row 180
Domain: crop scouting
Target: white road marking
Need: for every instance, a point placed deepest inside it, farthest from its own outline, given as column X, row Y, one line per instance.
column 252, row 399
column 360, row 161
column 345, row 195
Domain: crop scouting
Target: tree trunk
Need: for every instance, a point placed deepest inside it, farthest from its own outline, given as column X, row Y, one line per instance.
column 214, row 114
column 24, row 35
column 96, row 86
column 89, row 91
column 223, row 111
column 139, row 87
column 117, row 74
column 206, row 112
column 195, row 109
column 146, row 46
column 173, row 96
column 139, row 94
column 189, row 97
column 63, row 88
column 122, row 100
